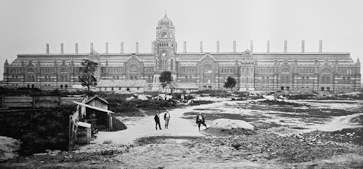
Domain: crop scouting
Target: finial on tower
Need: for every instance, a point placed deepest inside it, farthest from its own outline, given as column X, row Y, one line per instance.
column 166, row 13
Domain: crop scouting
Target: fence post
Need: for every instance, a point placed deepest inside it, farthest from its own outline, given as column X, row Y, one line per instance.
column 70, row 138
column 33, row 101
column 2, row 101
column 60, row 101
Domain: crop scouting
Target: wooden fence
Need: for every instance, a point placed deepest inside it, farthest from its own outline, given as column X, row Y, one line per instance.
column 37, row 101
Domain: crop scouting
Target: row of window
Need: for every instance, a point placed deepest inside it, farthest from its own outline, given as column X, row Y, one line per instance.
column 165, row 45
column 227, row 70
column 346, row 71
column 188, row 69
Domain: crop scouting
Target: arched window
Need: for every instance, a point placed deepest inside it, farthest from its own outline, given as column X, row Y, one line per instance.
column 282, row 79
column 327, row 79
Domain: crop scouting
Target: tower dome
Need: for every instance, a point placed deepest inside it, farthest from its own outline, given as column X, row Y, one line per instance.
column 165, row 22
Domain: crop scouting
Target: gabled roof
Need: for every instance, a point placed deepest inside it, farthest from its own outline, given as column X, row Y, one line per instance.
column 122, row 83
column 179, row 85
column 96, row 97
column 93, row 107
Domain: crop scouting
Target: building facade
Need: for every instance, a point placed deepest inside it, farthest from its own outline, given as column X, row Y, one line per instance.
column 263, row 71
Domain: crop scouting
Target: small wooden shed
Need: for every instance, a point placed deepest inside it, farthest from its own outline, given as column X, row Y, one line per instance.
column 97, row 101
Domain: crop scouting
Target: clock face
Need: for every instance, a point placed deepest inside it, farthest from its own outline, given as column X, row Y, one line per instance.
column 164, row 35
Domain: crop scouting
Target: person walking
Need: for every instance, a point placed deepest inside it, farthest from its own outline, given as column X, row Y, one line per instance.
column 200, row 120
column 167, row 118
column 157, row 121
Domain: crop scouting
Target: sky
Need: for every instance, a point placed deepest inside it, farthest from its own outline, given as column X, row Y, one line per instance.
column 27, row 25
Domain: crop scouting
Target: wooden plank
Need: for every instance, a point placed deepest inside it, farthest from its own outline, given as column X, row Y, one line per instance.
column 18, row 105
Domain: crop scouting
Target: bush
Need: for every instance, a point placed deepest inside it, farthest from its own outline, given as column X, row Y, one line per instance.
column 37, row 130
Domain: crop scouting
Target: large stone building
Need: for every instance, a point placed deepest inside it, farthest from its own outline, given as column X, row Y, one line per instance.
column 267, row 71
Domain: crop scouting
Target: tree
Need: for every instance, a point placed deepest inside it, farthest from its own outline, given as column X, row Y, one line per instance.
column 86, row 73
column 230, row 82
column 165, row 78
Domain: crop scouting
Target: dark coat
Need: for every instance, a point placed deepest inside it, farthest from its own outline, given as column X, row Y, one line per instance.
column 200, row 120
column 156, row 118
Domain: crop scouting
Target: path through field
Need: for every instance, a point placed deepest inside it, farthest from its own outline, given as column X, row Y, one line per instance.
column 178, row 126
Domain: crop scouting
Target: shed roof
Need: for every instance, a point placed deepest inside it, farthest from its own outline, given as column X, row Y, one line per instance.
column 122, row 83
column 96, row 97
column 179, row 85
column 93, row 107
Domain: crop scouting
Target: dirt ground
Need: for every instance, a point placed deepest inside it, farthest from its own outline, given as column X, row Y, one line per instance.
column 285, row 137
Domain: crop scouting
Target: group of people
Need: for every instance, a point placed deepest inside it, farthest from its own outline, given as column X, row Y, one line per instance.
column 199, row 120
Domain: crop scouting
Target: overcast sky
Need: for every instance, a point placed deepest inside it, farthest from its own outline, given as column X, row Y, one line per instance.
column 26, row 26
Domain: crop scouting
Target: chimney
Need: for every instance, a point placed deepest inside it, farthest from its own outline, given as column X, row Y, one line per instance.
column 91, row 47
column 251, row 46
column 185, row 47
column 122, row 47
column 137, row 47
column 217, row 46
column 201, row 46
column 320, row 46
column 152, row 46
column 62, row 48
column 234, row 46
column 47, row 48
column 106, row 51
column 76, row 48
column 285, row 46
column 268, row 46
column 302, row 46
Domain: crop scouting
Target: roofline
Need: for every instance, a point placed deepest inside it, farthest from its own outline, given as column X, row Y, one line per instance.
column 82, row 54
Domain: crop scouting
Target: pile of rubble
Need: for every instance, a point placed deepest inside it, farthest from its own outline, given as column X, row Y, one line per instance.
column 292, row 148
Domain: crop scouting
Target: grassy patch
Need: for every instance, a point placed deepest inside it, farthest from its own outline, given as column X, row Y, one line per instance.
column 227, row 132
column 37, row 129
column 213, row 116
column 161, row 139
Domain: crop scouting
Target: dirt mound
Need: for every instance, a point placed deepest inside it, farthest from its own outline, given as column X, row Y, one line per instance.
column 117, row 125
column 8, row 148
column 231, row 124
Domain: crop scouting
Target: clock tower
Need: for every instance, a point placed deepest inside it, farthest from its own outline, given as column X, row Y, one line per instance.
column 164, row 50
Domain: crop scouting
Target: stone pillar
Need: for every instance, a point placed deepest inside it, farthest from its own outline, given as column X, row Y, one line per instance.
column 201, row 46
column 217, row 46
column 320, row 46
column 302, row 46
column 234, row 46
column 47, row 48
column 62, row 51
column 185, row 47
column 122, row 47
column 91, row 47
column 137, row 47
column 106, row 50
column 285, row 46
column 251, row 45
column 268, row 46
column 76, row 48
